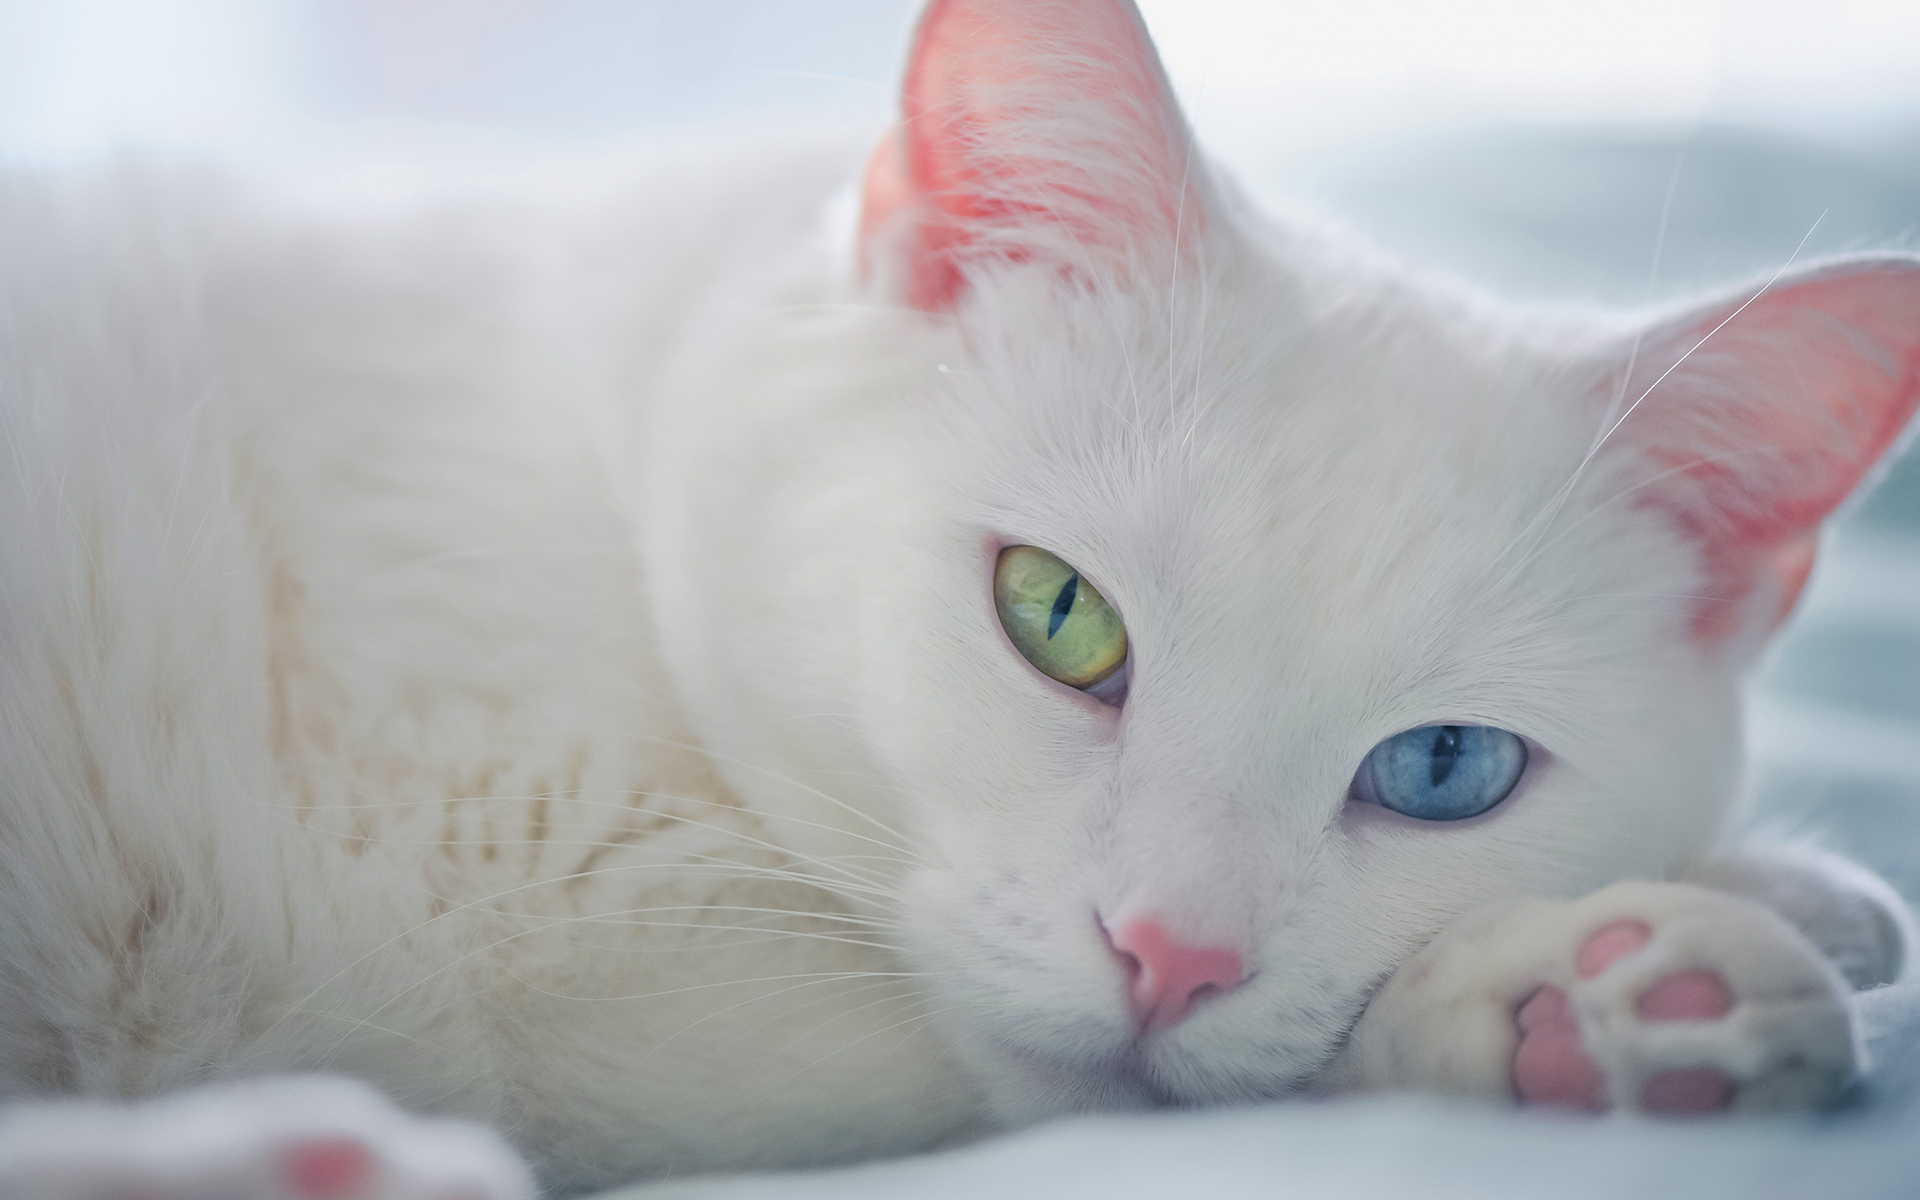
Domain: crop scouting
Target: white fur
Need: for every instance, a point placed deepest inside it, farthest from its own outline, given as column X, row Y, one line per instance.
column 541, row 661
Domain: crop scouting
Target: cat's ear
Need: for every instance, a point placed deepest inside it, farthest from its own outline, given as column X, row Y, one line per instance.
column 1031, row 130
column 1762, row 413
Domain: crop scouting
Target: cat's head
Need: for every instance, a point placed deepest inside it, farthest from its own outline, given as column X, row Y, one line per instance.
column 1216, row 611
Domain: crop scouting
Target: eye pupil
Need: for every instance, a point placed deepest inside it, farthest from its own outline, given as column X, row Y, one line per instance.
column 1062, row 604
column 1446, row 753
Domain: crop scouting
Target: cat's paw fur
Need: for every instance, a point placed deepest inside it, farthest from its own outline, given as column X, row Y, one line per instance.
column 1641, row 996
column 298, row 1138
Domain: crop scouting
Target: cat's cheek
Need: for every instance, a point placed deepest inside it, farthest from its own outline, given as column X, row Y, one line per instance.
column 1362, row 818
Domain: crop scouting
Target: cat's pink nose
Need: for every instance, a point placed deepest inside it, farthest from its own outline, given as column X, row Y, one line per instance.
column 1165, row 977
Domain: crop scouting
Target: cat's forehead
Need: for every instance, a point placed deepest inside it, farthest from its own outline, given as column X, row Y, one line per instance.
column 1262, row 439
column 1289, row 498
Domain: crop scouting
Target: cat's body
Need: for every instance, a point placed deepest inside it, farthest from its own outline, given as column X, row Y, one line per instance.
column 544, row 663
column 432, row 738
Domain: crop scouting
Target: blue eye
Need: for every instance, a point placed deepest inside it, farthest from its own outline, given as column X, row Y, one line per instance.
column 1442, row 772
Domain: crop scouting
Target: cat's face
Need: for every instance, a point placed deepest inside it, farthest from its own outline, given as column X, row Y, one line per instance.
column 1328, row 505
column 1353, row 538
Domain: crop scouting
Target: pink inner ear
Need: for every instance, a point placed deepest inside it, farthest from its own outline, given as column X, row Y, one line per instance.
column 1028, row 127
column 1776, row 418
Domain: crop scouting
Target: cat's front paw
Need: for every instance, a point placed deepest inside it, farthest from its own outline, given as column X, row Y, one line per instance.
column 302, row 1138
column 1641, row 996
column 1678, row 999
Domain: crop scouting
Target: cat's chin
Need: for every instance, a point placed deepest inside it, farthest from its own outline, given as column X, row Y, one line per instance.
column 1024, row 1086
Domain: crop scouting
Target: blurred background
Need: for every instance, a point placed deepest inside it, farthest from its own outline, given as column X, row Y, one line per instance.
column 1584, row 152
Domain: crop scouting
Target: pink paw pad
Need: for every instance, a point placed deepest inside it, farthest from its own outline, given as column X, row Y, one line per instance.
column 1607, row 944
column 1551, row 1067
column 1692, row 995
column 331, row 1168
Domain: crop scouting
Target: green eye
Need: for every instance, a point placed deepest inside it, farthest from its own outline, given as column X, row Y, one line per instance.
column 1056, row 618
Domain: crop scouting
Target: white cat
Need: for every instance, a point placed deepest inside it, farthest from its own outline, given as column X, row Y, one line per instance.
column 691, row 690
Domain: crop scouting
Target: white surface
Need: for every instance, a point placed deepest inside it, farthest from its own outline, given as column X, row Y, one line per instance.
column 1396, row 1147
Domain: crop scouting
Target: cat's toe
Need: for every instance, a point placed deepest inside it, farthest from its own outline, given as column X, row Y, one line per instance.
column 1549, row 1065
column 282, row 1139
column 1679, row 1000
column 322, row 1168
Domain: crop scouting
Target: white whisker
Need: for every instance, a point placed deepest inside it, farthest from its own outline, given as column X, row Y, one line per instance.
column 901, row 840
